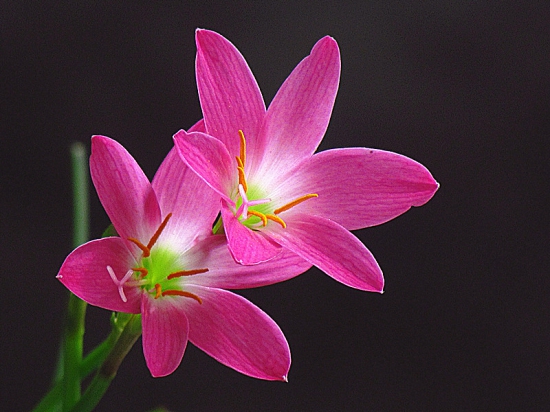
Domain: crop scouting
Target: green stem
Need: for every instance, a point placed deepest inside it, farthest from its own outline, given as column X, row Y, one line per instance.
column 74, row 324
column 107, row 372
column 92, row 361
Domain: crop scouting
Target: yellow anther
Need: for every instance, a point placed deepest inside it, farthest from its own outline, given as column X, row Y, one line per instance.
column 294, row 203
column 243, row 147
column 186, row 273
column 258, row 214
column 242, row 178
column 276, row 219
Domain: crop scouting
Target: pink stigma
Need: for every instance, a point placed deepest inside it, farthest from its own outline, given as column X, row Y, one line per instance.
column 243, row 208
column 120, row 283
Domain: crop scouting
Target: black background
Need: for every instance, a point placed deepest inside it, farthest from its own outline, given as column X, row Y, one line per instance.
column 463, row 87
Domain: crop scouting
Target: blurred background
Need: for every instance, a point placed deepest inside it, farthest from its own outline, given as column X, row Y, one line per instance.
column 462, row 87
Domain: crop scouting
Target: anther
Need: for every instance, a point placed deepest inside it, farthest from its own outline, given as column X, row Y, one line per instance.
column 146, row 251
column 243, row 148
column 276, row 219
column 294, row 203
column 186, row 273
column 143, row 272
column 242, row 178
column 260, row 215
column 159, row 231
column 159, row 291
column 181, row 293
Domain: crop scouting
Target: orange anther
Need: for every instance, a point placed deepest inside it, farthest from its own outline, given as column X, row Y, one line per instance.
column 146, row 251
column 239, row 162
column 182, row 293
column 159, row 231
column 159, row 291
column 143, row 271
column 258, row 214
column 243, row 147
column 277, row 219
column 294, row 203
column 242, row 178
column 186, row 273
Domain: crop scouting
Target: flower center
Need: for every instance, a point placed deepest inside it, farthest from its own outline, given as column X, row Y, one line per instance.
column 251, row 208
column 158, row 272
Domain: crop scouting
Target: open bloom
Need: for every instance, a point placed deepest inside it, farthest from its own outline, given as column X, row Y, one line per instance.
column 276, row 193
column 167, row 265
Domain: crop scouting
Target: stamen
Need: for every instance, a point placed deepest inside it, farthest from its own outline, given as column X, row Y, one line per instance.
column 186, row 273
column 144, row 272
column 239, row 162
column 159, row 231
column 277, row 219
column 260, row 215
column 242, row 178
column 181, row 293
column 120, row 283
column 294, row 203
column 159, row 291
column 243, row 147
column 144, row 249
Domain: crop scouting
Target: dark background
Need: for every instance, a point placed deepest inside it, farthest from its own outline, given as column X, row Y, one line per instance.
column 463, row 87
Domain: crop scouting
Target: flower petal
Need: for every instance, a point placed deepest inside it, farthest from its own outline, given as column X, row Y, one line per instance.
column 230, row 97
column 208, row 158
column 165, row 331
column 238, row 334
column 124, row 190
column 248, row 247
column 212, row 253
column 299, row 115
column 359, row 187
column 331, row 248
column 193, row 204
column 84, row 272
column 197, row 127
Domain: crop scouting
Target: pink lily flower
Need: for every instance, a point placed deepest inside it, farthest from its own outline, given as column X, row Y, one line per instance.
column 167, row 265
column 276, row 193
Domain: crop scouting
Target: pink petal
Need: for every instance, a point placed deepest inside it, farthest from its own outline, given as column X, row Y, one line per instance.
column 248, row 247
column 165, row 330
column 225, row 273
column 85, row 274
column 300, row 112
column 230, row 97
column 209, row 158
column 331, row 248
column 360, row 187
column 197, row 127
column 193, row 204
column 124, row 190
column 238, row 334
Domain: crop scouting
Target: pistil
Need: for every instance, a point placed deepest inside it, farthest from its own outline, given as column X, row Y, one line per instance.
column 120, row 283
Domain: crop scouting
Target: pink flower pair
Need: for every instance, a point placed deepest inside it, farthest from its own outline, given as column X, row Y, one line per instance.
column 283, row 209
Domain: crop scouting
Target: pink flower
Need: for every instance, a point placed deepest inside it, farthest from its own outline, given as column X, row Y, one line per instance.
column 276, row 193
column 168, row 266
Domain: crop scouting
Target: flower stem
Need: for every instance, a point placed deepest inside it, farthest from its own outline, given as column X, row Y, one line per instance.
column 106, row 373
column 52, row 400
column 74, row 323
